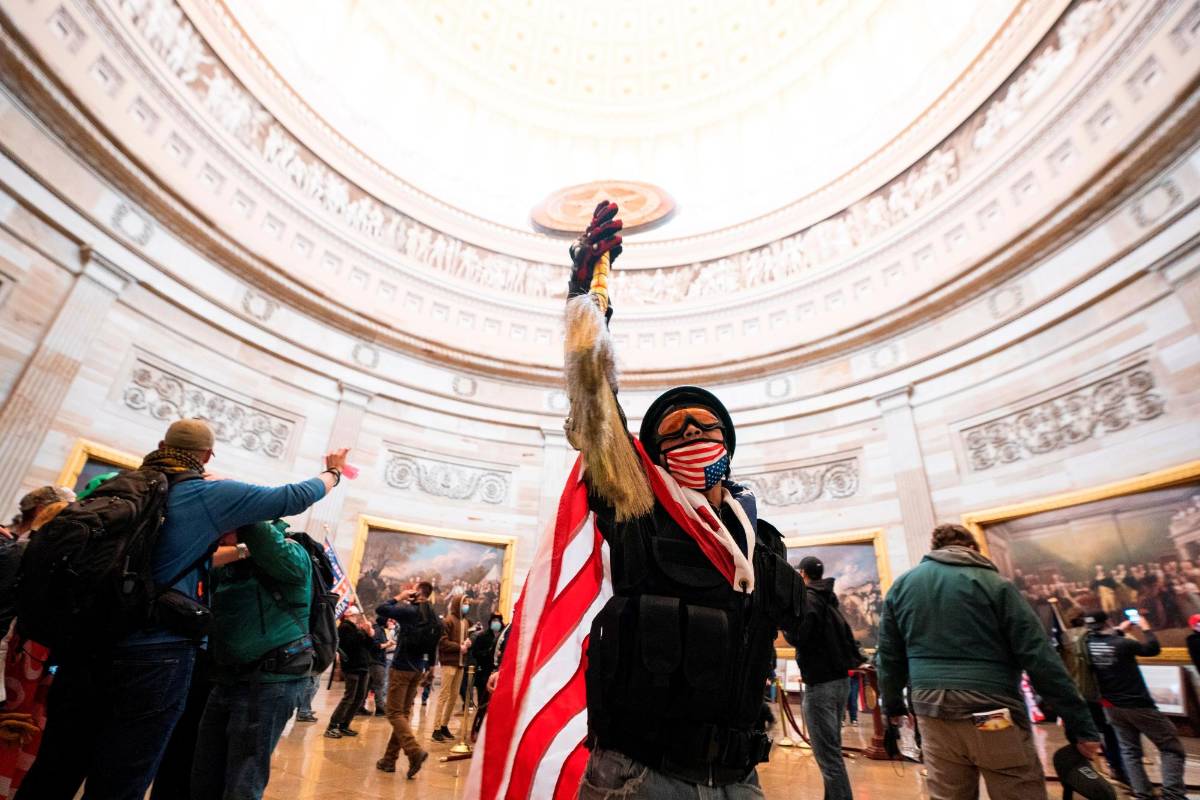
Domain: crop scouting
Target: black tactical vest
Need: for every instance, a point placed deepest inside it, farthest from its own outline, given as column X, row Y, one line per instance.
column 677, row 659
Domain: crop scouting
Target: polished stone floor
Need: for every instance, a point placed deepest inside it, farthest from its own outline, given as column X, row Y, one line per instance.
column 307, row 765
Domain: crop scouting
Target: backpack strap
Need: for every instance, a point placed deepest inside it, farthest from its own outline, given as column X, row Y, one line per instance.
column 199, row 562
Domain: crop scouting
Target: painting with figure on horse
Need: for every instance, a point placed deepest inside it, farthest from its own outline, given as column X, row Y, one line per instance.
column 393, row 560
column 857, row 586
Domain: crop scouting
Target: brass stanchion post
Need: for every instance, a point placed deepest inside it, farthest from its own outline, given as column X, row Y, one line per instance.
column 786, row 741
column 464, row 749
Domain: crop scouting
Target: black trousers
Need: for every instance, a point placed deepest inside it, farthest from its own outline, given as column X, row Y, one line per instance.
column 357, row 684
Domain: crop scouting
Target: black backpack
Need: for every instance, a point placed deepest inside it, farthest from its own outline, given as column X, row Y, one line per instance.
column 86, row 577
column 420, row 639
column 322, row 612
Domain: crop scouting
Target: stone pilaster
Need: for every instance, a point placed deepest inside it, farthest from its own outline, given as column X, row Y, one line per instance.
column 31, row 408
column 347, row 423
column 908, row 467
column 557, row 459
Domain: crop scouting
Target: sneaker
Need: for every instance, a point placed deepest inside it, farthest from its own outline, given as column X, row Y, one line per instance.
column 414, row 764
column 362, row 712
column 379, row 712
column 446, row 734
column 384, row 766
column 309, row 717
column 346, row 731
column 437, row 736
column 333, row 733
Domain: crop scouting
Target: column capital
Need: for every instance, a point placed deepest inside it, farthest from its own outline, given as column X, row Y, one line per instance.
column 897, row 398
column 103, row 271
column 353, row 395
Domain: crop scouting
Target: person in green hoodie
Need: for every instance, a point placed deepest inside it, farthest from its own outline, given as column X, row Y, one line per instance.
column 262, row 655
column 959, row 636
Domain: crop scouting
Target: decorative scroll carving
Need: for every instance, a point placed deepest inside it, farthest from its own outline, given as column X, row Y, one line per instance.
column 1107, row 405
column 832, row 480
column 177, row 42
column 133, row 223
column 446, row 479
column 168, row 397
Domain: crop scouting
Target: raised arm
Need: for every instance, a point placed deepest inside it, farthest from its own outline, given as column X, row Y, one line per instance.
column 597, row 426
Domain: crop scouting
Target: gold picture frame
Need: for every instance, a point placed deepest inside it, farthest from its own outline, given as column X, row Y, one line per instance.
column 85, row 450
column 366, row 523
column 977, row 521
column 876, row 537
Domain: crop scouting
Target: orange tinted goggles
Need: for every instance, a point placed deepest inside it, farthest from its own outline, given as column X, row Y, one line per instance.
column 677, row 421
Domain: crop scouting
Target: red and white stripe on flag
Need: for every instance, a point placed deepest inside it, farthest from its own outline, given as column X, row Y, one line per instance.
column 532, row 743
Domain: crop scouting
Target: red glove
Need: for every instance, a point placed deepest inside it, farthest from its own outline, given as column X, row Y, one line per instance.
column 600, row 237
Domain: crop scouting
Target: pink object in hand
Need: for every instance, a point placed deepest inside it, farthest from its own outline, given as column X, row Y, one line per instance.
column 350, row 471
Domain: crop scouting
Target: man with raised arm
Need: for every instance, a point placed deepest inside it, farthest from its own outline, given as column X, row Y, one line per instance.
column 679, row 656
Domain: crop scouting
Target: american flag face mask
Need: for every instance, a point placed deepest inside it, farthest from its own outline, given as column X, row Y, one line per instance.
column 699, row 464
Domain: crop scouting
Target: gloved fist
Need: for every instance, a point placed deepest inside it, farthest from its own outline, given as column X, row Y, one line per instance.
column 17, row 729
column 600, row 237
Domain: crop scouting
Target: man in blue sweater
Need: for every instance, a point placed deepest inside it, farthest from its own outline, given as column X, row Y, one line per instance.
column 110, row 713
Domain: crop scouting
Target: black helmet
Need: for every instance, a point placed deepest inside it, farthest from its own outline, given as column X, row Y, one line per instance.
column 680, row 397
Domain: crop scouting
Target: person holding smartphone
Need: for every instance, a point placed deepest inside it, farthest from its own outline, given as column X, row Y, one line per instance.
column 1127, row 702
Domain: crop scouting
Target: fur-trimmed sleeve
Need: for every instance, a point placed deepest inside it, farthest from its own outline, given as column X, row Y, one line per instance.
column 597, row 426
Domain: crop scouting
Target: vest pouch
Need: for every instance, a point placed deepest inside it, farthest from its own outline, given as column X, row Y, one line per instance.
column 706, row 648
column 684, row 562
column 659, row 636
column 604, row 644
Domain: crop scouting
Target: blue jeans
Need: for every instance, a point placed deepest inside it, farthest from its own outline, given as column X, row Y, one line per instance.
column 823, row 704
column 852, row 699
column 614, row 776
column 307, row 693
column 108, row 719
column 1133, row 723
column 242, row 724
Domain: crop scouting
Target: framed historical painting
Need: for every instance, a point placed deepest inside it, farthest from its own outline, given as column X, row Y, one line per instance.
column 390, row 555
column 857, row 561
column 1126, row 547
column 89, row 459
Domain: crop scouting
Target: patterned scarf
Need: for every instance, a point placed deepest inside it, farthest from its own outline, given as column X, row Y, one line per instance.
column 168, row 460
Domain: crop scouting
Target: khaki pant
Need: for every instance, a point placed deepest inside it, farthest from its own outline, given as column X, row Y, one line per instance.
column 402, row 693
column 448, row 696
column 957, row 755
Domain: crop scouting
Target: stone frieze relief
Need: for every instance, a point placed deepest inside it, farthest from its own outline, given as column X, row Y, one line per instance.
column 1113, row 403
column 184, row 52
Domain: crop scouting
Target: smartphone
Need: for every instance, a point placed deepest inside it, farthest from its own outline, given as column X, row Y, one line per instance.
column 1133, row 616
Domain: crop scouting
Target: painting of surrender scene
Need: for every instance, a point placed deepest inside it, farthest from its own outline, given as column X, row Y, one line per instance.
column 1130, row 553
column 457, row 566
column 858, row 584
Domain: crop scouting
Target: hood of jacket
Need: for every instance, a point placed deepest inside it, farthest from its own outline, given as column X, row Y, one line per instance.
column 956, row 556
column 824, row 587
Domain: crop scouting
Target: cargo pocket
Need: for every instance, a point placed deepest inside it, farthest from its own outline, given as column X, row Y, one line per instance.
column 706, row 649
column 1003, row 749
column 658, row 629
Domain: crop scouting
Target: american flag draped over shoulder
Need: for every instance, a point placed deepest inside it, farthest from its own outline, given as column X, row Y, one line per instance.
column 341, row 584
column 532, row 744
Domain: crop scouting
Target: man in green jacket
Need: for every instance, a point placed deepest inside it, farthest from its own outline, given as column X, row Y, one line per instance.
column 262, row 655
column 959, row 636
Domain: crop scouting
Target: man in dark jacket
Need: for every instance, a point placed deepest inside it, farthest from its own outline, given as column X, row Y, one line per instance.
column 1128, row 705
column 414, row 615
column 961, row 636
column 825, row 652
column 262, row 654
column 355, row 637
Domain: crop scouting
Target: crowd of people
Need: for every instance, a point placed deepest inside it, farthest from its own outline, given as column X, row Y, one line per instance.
column 176, row 643
column 192, row 701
